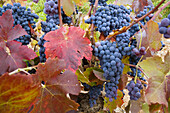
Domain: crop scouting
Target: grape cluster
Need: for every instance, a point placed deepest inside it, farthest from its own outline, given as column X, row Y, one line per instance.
column 135, row 56
column 144, row 12
column 134, row 59
column 134, row 89
column 139, row 52
column 23, row 17
column 48, row 26
column 135, row 28
column 123, row 41
column 94, row 92
column 110, row 61
column 100, row 2
column 110, row 18
column 42, row 49
column 51, row 9
column 164, row 27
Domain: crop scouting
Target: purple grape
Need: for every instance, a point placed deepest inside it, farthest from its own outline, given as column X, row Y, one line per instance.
column 165, row 22
column 162, row 30
column 168, row 31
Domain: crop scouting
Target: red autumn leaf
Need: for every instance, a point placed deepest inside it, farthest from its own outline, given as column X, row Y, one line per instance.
column 12, row 55
column 17, row 92
column 68, row 44
column 7, row 32
column 50, row 74
column 54, row 104
column 55, row 88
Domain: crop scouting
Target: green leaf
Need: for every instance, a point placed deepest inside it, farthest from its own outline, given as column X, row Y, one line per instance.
column 91, row 76
column 113, row 105
column 154, row 107
column 145, row 108
column 154, row 66
column 126, row 67
column 68, row 7
column 80, row 2
column 156, row 69
column 99, row 75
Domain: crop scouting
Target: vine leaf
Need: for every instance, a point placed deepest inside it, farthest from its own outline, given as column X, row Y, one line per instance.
column 136, row 106
column 68, row 44
column 54, row 104
column 155, row 107
column 80, row 2
column 55, row 86
column 99, row 75
column 89, row 76
column 168, row 87
column 126, row 67
column 17, row 92
column 153, row 36
column 12, row 56
column 68, row 7
column 138, row 5
column 7, row 32
column 50, row 74
column 156, row 70
column 113, row 105
column 145, row 108
column 123, row 81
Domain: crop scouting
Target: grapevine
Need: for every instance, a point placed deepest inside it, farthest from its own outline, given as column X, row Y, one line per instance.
column 56, row 59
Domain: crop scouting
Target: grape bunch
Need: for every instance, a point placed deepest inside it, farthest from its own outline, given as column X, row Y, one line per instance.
column 48, row 26
column 164, row 27
column 100, row 2
column 94, row 93
column 110, row 61
column 135, row 28
column 110, row 18
column 139, row 52
column 123, row 41
column 144, row 12
column 134, row 89
column 42, row 49
column 135, row 56
column 51, row 9
column 23, row 17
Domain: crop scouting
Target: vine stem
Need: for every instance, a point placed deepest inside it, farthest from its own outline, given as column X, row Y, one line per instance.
column 89, row 13
column 159, row 10
column 92, row 28
column 137, row 68
column 134, row 22
column 138, row 79
column 22, row 70
column 59, row 13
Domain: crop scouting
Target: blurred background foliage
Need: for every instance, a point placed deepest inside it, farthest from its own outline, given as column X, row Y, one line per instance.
column 84, row 8
column 166, row 11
